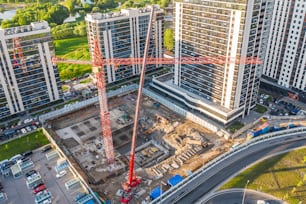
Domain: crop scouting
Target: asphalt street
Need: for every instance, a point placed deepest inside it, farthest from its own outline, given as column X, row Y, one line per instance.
column 236, row 197
column 230, row 167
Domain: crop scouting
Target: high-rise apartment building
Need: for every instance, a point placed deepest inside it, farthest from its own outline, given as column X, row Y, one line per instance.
column 123, row 35
column 285, row 60
column 221, row 28
column 28, row 77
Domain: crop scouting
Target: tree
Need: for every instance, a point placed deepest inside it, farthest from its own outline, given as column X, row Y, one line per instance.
column 70, row 4
column 168, row 39
column 164, row 3
column 95, row 9
column 80, row 29
column 128, row 4
column 53, row 13
column 66, row 74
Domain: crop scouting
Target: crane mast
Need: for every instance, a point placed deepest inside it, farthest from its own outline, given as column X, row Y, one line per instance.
column 104, row 113
column 133, row 181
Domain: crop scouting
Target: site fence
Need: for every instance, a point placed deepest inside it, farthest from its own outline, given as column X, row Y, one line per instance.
column 79, row 105
column 198, row 177
column 251, row 125
column 71, row 167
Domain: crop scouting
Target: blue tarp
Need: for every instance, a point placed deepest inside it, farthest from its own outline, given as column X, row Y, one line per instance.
column 90, row 202
column 175, row 180
column 156, row 192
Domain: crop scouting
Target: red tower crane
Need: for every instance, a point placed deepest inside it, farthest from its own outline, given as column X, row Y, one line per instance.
column 133, row 181
column 104, row 113
column 99, row 62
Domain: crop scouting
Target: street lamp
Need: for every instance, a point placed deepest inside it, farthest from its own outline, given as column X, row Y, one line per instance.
column 243, row 197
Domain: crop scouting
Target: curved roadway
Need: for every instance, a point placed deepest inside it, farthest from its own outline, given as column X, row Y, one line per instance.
column 235, row 196
column 235, row 164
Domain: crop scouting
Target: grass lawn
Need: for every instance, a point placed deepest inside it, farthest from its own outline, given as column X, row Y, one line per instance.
column 235, row 126
column 281, row 176
column 260, row 109
column 72, row 48
column 23, row 144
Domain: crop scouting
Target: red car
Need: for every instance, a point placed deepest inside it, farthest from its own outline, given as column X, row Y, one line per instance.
column 39, row 188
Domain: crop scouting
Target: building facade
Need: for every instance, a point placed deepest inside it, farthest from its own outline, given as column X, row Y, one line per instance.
column 28, row 77
column 232, row 30
column 123, row 35
column 285, row 60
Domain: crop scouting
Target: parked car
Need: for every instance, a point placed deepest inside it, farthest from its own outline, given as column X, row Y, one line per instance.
column 61, row 174
column 23, row 131
column 47, row 148
column 28, row 120
column 37, row 185
column 30, row 173
column 16, row 158
column 25, row 159
column 27, row 153
column 28, row 128
column 3, row 162
column 39, row 188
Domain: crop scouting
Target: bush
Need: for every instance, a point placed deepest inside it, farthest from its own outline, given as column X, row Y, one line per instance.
column 260, row 109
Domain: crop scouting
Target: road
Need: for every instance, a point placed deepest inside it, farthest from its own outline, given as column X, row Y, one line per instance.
column 229, row 167
column 235, row 196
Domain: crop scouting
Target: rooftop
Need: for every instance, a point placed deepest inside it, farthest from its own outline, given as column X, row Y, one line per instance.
column 123, row 12
column 41, row 25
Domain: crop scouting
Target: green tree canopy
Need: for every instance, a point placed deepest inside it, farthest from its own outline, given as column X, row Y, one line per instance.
column 53, row 13
column 70, row 4
column 68, row 30
column 168, row 39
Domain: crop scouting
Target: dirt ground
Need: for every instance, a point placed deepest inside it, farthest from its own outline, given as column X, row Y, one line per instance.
column 183, row 145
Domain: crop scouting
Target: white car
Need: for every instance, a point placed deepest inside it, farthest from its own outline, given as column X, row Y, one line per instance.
column 28, row 128
column 61, row 174
column 23, row 131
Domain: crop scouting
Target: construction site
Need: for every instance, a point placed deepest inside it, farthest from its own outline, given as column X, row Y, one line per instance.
column 167, row 145
column 130, row 148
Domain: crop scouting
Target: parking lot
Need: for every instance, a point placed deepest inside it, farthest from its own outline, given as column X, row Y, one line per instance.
column 282, row 107
column 20, row 130
column 18, row 192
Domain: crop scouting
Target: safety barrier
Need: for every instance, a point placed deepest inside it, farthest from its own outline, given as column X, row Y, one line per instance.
column 79, row 105
column 174, row 191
